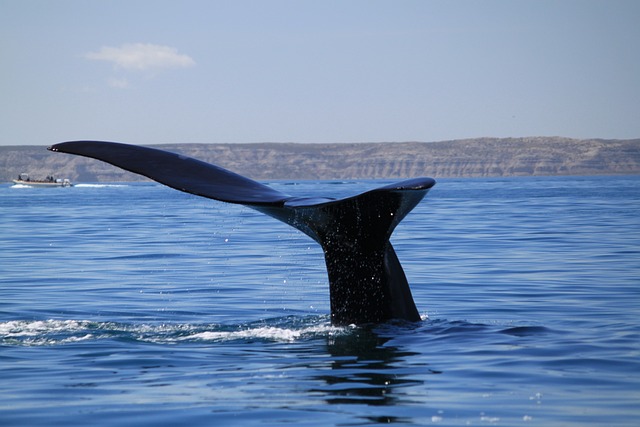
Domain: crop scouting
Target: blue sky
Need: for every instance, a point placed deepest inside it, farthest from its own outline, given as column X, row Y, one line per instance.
column 152, row 71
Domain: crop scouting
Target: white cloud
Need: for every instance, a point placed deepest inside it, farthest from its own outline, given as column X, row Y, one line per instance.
column 142, row 56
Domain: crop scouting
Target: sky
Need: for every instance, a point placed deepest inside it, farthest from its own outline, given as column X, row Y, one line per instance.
column 241, row 71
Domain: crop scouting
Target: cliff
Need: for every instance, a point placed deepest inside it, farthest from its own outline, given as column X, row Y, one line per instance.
column 479, row 157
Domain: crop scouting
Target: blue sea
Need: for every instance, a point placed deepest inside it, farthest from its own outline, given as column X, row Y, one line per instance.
column 137, row 305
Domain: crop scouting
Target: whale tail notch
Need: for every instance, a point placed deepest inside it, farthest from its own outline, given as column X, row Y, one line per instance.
column 366, row 280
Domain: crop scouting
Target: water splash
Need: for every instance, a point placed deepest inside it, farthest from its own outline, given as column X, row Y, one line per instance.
column 56, row 332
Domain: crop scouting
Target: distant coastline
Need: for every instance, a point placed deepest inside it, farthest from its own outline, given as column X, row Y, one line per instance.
column 477, row 157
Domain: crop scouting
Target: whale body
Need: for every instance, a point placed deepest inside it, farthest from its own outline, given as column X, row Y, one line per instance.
column 366, row 281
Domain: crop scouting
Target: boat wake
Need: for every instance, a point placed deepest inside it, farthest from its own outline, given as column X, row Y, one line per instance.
column 100, row 185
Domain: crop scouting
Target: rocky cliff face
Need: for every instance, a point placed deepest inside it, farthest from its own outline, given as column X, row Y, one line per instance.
column 480, row 157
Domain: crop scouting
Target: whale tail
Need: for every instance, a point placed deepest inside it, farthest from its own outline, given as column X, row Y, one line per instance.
column 367, row 283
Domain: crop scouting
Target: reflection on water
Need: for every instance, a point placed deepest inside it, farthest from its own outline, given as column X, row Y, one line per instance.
column 364, row 370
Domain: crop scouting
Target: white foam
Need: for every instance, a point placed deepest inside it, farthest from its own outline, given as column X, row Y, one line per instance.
column 25, row 328
column 51, row 332
column 45, row 332
column 265, row 333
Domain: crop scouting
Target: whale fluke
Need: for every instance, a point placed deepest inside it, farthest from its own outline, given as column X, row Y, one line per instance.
column 366, row 281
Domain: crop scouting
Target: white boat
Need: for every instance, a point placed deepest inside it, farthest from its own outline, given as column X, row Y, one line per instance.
column 50, row 181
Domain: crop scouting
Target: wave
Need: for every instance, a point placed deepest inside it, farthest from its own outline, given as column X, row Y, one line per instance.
column 286, row 329
column 55, row 332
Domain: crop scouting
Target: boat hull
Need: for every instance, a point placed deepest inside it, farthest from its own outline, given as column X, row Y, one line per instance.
column 61, row 183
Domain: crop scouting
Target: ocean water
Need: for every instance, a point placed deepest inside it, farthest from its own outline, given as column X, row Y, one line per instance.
column 137, row 305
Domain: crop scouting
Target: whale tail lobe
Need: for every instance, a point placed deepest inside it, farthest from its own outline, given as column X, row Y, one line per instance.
column 367, row 283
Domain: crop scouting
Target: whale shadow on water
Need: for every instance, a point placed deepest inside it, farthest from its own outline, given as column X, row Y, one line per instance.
column 366, row 281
